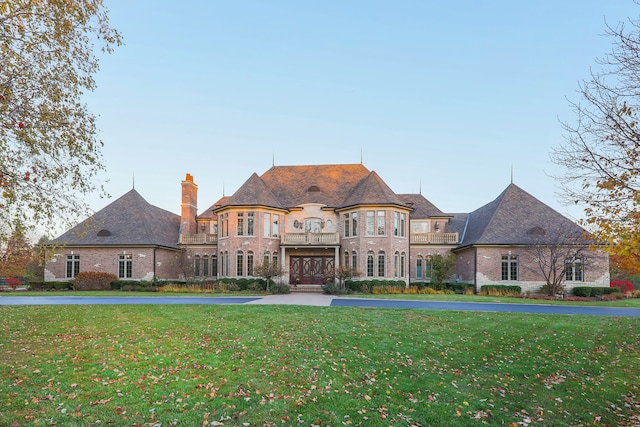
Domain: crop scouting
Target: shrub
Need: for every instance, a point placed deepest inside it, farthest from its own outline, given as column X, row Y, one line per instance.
column 13, row 282
column 500, row 290
column 93, row 281
column 593, row 291
column 625, row 286
column 279, row 288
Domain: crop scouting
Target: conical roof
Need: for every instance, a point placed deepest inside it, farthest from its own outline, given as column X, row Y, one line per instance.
column 515, row 217
column 128, row 221
column 372, row 191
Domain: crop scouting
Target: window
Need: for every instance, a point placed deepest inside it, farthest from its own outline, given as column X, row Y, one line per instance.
column 381, row 261
column 240, row 231
column 274, row 258
column 419, row 227
column 574, row 269
column 346, row 259
column 266, row 225
column 205, row 266
column 249, row 223
column 354, row 260
column 346, row 225
column 354, row 224
column 250, row 263
column 370, row 223
column 274, row 229
column 419, row 268
column 402, row 266
column 396, row 261
column 223, row 271
column 73, row 266
column 428, row 266
column 313, row 225
column 403, row 224
column 369, row 264
column 239, row 264
column 224, row 219
column 125, row 266
column 214, row 265
column 226, row 263
column 381, row 223
column 396, row 223
column 509, row 267
column 196, row 266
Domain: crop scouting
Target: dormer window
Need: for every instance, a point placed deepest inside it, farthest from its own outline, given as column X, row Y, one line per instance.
column 104, row 232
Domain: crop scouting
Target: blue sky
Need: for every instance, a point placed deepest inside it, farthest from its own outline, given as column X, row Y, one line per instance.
column 446, row 97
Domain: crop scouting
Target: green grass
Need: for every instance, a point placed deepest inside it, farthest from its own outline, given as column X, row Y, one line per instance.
column 323, row 366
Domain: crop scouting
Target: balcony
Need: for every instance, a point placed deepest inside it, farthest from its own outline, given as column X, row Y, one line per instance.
column 435, row 238
column 310, row 239
column 198, row 239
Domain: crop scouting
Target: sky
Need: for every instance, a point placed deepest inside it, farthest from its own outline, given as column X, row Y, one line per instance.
column 452, row 99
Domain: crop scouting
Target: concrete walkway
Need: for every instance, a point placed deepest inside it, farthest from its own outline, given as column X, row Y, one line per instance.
column 296, row 298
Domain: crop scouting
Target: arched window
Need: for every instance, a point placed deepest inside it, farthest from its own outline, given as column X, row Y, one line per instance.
column 354, row 260
column 274, row 258
column 381, row 264
column 205, row 266
column 249, row 263
column 396, row 261
column 346, row 259
column 370, row 264
column 428, row 266
column 214, row 265
column 402, row 264
column 196, row 266
column 239, row 264
column 419, row 267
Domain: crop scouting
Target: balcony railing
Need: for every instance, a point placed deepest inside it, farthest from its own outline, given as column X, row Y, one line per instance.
column 310, row 239
column 441, row 238
column 198, row 239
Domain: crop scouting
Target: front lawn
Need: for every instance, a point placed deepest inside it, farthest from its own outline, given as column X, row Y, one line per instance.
column 325, row 366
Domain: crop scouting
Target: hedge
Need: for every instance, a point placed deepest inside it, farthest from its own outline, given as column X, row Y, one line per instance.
column 593, row 291
column 50, row 286
column 456, row 287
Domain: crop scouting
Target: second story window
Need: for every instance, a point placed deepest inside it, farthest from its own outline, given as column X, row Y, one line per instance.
column 354, row 224
column 240, row 224
column 250, row 223
column 346, row 225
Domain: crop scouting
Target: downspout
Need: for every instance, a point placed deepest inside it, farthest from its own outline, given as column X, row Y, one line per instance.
column 155, row 275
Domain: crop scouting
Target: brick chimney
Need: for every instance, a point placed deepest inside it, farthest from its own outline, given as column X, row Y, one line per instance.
column 189, row 206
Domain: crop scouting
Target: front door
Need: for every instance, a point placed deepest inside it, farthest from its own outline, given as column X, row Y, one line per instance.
column 311, row 270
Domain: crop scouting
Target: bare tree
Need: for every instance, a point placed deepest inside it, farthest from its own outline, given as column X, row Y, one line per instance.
column 344, row 273
column 558, row 251
column 601, row 152
column 267, row 271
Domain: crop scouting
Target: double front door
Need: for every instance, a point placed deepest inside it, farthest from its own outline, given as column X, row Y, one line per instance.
column 311, row 270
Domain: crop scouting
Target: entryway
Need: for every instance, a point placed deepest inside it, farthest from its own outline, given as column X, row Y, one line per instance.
column 311, row 270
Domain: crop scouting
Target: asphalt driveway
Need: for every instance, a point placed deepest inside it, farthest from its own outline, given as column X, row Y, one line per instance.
column 317, row 299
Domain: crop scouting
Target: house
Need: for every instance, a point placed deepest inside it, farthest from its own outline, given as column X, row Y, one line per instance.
column 314, row 219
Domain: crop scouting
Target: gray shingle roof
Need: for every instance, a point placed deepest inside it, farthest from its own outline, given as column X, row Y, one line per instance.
column 254, row 192
column 325, row 184
column 129, row 220
column 422, row 208
column 372, row 191
column 516, row 218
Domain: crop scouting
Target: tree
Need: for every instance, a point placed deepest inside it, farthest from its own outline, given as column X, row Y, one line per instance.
column 344, row 273
column 267, row 270
column 441, row 269
column 17, row 256
column 49, row 151
column 601, row 151
column 556, row 251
